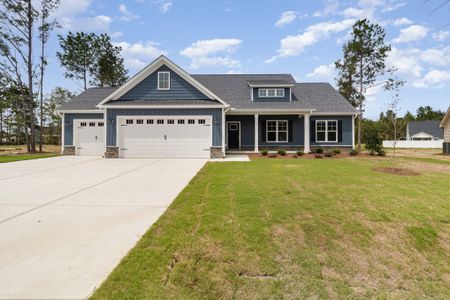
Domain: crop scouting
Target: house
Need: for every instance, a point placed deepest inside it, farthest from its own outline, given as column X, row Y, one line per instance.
column 165, row 112
column 424, row 131
column 445, row 124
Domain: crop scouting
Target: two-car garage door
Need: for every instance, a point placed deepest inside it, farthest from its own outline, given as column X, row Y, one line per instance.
column 165, row 136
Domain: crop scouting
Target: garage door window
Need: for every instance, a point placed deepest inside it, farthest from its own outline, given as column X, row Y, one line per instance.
column 160, row 122
column 180, row 121
column 149, row 121
column 191, row 121
column 171, row 122
column 83, row 124
column 100, row 124
column 91, row 124
column 129, row 121
column 140, row 122
column 201, row 121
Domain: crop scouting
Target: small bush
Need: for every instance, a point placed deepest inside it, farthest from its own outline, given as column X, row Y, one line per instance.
column 319, row 150
column 264, row 152
column 282, row 152
column 329, row 154
column 336, row 151
column 381, row 153
column 318, row 155
column 353, row 152
column 372, row 153
column 273, row 155
column 299, row 153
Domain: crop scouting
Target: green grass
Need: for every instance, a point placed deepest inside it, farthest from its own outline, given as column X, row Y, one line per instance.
column 427, row 160
column 300, row 228
column 12, row 158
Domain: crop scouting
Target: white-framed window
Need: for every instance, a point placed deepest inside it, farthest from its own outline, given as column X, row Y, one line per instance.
column 140, row 121
column 201, row 121
column 83, row 124
column 163, row 80
column 160, row 121
column 91, row 124
column 326, row 131
column 191, row 121
column 181, row 121
column 149, row 121
column 100, row 124
column 271, row 93
column 277, row 131
column 129, row 121
column 170, row 121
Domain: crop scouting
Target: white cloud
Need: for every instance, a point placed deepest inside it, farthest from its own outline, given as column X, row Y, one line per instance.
column 287, row 17
column 164, row 5
column 433, row 79
column 97, row 23
column 393, row 5
column 68, row 8
column 436, row 56
column 127, row 16
column 330, row 8
column 323, row 71
column 215, row 52
column 402, row 21
column 294, row 45
column 441, row 35
column 406, row 61
column 139, row 54
column 358, row 13
column 411, row 33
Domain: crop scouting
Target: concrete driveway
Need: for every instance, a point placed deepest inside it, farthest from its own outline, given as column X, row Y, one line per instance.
column 66, row 222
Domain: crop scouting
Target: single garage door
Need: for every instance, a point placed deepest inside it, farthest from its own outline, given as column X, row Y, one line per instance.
column 89, row 137
column 165, row 136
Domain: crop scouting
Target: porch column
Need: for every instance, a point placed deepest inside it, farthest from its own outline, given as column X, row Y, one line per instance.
column 256, row 133
column 306, row 148
column 62, row 132
column 223, row 131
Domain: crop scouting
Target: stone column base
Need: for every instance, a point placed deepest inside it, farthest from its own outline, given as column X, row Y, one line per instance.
column 69, row 150
column 216, row 152
column 112, row 152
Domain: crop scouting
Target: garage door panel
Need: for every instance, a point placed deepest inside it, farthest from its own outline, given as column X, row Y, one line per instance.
column 89, row 137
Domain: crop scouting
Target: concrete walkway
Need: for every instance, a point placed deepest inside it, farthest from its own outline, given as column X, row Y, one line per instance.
column 66, row 222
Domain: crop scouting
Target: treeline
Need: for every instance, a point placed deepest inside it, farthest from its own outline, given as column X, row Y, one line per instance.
column 27, row 116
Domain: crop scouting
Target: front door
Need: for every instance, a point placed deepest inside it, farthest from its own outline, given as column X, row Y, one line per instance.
column 233, row 135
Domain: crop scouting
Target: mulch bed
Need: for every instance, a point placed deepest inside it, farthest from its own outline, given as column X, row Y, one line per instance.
column 253, row 156
column 397, row 171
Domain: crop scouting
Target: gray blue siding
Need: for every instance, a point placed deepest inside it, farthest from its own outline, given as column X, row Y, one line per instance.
column 68, row 124
column 286, row 97
column 347, row 134
column 216, row 114
column 180, row 89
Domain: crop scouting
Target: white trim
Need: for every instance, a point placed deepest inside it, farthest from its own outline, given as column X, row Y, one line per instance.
column 326, row 131
column 80, row 111
column 267, row 92
column 63, row 125
column 268, row 111
column 444, row 120
column 160, row 88
column 106, row 128
column 290, row 94
column 152, row 67
column 74, row 139
column 277, row 131
column 353, row 132
column 333, row 114
column 283, row 85
column 257, row 133
column 161, row 106
column 307, row 138
column 239, row 136
column 223, row 132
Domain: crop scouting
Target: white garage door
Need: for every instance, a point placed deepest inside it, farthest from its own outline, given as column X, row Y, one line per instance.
column 89, row 137
column 165, row 136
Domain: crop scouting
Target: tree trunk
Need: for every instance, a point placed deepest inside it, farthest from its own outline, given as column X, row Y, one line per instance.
column 41, row 96
column 360, row 105
column 1, row 125
column 30, row 77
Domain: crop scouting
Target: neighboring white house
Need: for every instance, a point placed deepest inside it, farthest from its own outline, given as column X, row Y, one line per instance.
column 420, row 134
column 445, row 124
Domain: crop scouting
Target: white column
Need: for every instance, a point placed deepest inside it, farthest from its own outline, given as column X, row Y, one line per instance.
column 353, row 132
column 256, row 133
column 62, row 133
column 306, row 148
column 223, row 131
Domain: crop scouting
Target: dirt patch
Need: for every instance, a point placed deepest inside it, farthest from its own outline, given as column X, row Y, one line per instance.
column 397, row 171
column 430, row 167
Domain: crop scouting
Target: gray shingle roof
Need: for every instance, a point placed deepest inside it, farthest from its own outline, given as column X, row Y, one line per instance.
column 88, row 99
column 430, row 127
column 268, row 82
column 324, row 98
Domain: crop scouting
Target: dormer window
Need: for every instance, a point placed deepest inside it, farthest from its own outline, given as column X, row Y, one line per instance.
column 163, row 80
column 271, row 93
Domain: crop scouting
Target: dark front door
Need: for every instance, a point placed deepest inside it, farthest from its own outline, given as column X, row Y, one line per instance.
column 233, row 135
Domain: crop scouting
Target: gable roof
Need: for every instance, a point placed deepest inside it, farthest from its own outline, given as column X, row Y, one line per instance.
column 144, row 73
column 430, row 127
column 446, row 117
column 87, row 100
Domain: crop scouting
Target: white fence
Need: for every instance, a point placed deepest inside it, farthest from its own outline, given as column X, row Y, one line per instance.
column 414, row 144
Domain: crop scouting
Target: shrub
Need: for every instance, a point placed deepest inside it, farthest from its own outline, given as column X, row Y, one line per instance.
column 318, row 155
column 381, row 153
column 329, row 153
column 373, row 141
column 273, row 155
column 299, row 153
column 282, row 152
column 353, row 152
column 264, row 152
column 372, row 153
column 336, row 151
column 319, row 150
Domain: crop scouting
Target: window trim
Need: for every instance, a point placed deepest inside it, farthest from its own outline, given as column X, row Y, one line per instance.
column 277, row 131
column 266, row 93
column 326, row 131
column 159, row 87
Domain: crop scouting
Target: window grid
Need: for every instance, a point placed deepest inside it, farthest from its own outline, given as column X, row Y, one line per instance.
column 91, row 124
column 101, row 124
column 159, row 121
column 277, row 131
column 326, row 131
column 149, row 121
column 201, row 121
column 163, row 80
column 170, row 121
column 83, row 124
column 191, row 121
column 180, row 121
column 129, row 121
column 140, row 121
column 271, row 93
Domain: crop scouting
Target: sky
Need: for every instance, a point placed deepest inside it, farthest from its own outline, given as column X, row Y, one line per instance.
column 303, row 38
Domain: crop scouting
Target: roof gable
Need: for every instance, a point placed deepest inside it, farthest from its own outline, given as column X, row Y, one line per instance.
column 445, row 119
column 430, row 127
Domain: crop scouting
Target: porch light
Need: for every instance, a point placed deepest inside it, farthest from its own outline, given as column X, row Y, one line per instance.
column 111, row 122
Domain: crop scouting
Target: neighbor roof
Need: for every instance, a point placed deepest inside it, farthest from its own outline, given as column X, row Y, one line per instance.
column 431, row 127
column 88, row 99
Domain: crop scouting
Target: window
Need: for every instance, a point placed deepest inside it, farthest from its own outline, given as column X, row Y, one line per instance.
column 91, row 124
column 140, row 122
column 149, row 121
column 100, row 124
column 83, row 124
column 326, row 131
column 170, row 121
column 271, row 93
column 180, row 121
column 190, row 121
column 277, row 131
column 163, row 80
column 201, row 121
column 129, row 121
column 159, row 121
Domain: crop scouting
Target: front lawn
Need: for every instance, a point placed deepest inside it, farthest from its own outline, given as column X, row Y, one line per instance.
column 12, row 158
column 298, row 228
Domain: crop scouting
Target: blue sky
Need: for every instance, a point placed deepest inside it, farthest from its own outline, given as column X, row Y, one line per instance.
column 302, row 38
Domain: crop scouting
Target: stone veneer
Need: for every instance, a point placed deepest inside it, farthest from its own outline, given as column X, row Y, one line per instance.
column 112, row 152
column 216, row 152
column 69, row 150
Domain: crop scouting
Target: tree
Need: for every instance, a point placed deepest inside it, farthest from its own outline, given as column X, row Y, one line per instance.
column 109, row 69
column 77, row 56
column 363, row 62
column 53, row 101
column 427, row 113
